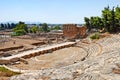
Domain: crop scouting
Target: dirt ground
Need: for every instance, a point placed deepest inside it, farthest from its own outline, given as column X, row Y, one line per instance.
column 14, row 45
column 55, row 59
column 4, row 78
column 18, row 41
column 23, row 41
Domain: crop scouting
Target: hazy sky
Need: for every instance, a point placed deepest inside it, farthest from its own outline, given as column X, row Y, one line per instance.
column 52, row 11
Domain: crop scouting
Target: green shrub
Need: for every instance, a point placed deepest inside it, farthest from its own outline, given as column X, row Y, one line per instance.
column 95, row 36
column 3, row 69
column 19, row 33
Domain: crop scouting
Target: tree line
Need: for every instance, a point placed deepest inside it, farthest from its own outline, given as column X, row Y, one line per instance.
column 4, row 26
column 109, row 21
column 21, row 28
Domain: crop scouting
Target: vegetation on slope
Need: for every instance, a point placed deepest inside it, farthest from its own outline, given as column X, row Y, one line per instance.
column 7, row 73
column 95, row 36
column 110, row 20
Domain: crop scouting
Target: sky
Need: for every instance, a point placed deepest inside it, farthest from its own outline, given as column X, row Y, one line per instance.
column 52, row 11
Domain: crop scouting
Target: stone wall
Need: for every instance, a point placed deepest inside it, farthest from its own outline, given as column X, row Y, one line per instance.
column 38, row 43
column 82, row 31
column 11, row 48
column 71, row 31
column 5, row 62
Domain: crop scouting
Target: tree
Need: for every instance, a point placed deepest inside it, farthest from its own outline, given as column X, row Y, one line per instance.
column 57, row 28
column 21, row 28
column 106, row 15
column 8, row 25
column 13, row 25
column 97, row 22
column 2, row 26
column 92, row 22
column 87, row 23
column 117, row 18
column 45, row 27
column 20, row 32
column 113, row 21
column 5, row 26
column 110, row 20
column 34, row 29
column 101, row 23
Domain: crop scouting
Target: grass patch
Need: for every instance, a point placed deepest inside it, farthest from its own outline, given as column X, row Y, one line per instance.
column 7, row 73
column 95, row 36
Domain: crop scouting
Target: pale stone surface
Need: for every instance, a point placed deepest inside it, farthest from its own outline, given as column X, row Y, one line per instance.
column 92, row 68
